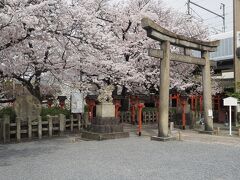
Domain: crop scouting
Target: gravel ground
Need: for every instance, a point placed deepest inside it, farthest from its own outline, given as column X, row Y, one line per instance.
column 130, row 158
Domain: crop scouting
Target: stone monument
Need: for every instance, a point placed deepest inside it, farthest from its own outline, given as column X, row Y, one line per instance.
column 27, row 107
column 105, row 125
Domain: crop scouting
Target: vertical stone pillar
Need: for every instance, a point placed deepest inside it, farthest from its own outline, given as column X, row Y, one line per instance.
column 29, row 127
column 207, row 96
column 6, row 129
column 18, row 121
column 62, row 123
column 50, row 125
column 39, row 127
column 164, row 90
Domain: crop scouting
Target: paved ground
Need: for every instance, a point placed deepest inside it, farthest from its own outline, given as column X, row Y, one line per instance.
column 196, row 157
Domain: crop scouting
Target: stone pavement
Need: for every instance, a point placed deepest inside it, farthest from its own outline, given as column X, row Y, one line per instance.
column 198, row 157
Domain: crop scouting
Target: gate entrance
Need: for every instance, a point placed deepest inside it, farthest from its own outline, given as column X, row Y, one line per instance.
column 167, row 38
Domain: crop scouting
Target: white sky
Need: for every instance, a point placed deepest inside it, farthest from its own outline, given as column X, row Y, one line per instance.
column 215, row 23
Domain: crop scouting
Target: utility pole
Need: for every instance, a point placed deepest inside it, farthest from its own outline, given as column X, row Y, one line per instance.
column 236, row 51
column 223, row 16
column 189, row 2
column 188, row 7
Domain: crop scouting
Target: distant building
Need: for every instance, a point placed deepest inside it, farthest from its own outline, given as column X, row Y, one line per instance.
column 224, row 59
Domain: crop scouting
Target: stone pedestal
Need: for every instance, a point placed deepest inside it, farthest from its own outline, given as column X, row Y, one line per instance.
column 105, row 110
column 105, row 125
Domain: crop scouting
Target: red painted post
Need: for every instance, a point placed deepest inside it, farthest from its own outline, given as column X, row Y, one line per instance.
column 140, row 107
column 183, row 103
column 133, row 103
column 132, row 112
column 192, row 103
column 90, row 105
column 178, row 98
column 62, row 101
column 201, row 103
column 49, row 103
column 117, row 107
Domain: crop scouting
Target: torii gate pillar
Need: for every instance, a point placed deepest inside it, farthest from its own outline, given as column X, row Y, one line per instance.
column 207, row 96
column 164, row 90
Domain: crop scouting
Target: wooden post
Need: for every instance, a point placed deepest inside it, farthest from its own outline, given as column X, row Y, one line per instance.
column 39, row 127
column 200, row 104
column 145, row 117
column 164, row 90
column 171, row 127
column 50, row 125
column 140, row 107
column 29, row 127
column 179, row 135
column 218, row 130
column 62, row 123
column 6, row 129
column 183, row 114
column 79, row 117
column 18, row 122
column 71, row 123
column 132, row 112
column 207, row 96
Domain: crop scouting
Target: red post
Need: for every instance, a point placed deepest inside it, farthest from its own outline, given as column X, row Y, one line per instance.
column 201, row 103
column 117, row 107
column 192, row 103
column 62, row 101
column 49, row 103
column 178, row 98
column 90, row 104
column 140, row 107
column 133, row 103
column 183, row 103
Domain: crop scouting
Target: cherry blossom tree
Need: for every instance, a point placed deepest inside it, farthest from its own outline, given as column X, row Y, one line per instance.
column 79, row 43
column 47, row 37
column 142, row 72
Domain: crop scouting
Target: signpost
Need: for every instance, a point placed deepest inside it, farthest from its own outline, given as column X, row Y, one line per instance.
column 230, row 101
column 77, row 105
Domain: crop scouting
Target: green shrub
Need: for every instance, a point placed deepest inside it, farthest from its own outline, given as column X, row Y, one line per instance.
column 85, row 108
column 53, row 111
column 9, row 111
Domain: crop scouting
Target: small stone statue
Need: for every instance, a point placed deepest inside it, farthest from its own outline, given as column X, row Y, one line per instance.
column 105, row 95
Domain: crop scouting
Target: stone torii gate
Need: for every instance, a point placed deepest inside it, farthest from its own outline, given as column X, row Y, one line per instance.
column 167, row 38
